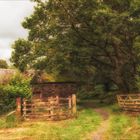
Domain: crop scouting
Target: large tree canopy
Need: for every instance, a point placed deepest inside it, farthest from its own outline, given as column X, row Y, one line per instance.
column 84, row 40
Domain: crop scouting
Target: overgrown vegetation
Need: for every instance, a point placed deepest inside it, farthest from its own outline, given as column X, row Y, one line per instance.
column 10, row 121
column 97, row 92
column 93, row 41
column 3, row 64
column 18, row 86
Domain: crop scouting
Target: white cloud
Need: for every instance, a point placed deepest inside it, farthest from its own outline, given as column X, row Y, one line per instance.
column 12, row 13
column 5, row 48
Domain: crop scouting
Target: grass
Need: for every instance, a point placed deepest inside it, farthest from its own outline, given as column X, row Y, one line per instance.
column 74, row 129
column 9, row 121
column 122, row 126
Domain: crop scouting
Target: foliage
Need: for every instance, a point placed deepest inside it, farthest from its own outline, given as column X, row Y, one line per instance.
column 138, row 79
column 90, row 92
column 21, row 55
column 80, row 40
column 3, row 64
column 17, row 87
column 97, row 93
column 7, row 100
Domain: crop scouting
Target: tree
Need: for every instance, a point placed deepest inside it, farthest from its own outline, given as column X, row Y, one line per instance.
column 3, row 64
column 81, row 39
column 22, row 54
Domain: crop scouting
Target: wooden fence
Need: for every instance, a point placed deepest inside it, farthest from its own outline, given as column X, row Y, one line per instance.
column 129, row 102
column 52, row 108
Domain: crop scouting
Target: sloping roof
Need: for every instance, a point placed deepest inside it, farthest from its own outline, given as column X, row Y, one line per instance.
column 7, row 71
column 6, row 75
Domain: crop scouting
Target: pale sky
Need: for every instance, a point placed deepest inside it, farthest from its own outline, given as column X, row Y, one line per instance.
column 12, row 13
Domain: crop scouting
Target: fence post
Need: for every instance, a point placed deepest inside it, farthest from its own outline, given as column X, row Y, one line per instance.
column 57, row 100
column 118, row 98
column 74, row 104
column 18, row 107
column 24, row 108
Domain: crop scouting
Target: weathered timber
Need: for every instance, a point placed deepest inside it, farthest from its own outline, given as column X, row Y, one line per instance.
column 18, row 109
column 129, row 102
column 52, row 109
column 51, row 101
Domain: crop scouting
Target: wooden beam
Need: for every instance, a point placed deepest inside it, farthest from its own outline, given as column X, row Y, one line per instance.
column 18, row 107
column 74, row 109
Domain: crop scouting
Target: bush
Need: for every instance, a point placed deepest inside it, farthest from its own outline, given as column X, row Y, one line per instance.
column 18, row 87
column 90, row 92
column 7, row 101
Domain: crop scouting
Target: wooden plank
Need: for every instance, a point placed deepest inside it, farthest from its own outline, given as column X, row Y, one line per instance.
column 24, row 107
column 129, row 102
column 74, row 110
column 18, row 105
column 55, row 107
column 70, row 102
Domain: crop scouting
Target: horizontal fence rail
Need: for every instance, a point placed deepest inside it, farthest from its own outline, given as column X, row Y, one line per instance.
column 51, row 108
column 129, row 102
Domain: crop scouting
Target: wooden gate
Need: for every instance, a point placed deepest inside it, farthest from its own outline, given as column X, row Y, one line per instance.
column 129, row 102
column 52, row 108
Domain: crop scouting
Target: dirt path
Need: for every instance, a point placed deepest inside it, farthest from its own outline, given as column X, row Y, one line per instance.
column 99, row 133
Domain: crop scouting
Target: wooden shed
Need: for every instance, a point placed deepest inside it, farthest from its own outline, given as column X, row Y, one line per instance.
column 50, row 101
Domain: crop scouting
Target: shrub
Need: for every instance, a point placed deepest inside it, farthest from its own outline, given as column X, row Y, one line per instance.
column 18, row 86
column 90, row 91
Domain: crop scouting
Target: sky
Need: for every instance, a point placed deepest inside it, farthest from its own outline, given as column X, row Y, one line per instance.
column 12, row 14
